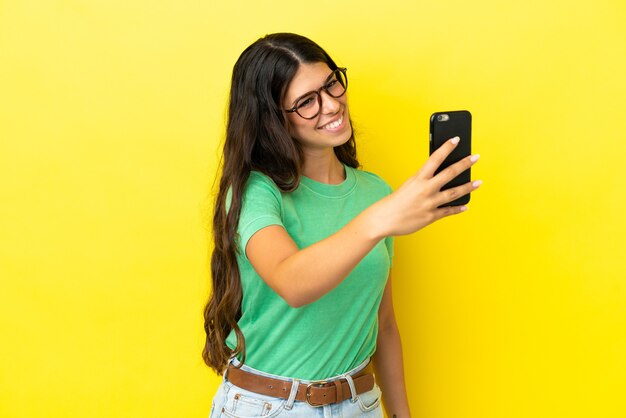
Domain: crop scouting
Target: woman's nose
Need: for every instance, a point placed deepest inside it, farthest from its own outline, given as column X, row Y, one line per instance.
column 330, row 104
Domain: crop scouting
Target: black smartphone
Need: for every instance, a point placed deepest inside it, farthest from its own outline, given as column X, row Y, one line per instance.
column 446, row 125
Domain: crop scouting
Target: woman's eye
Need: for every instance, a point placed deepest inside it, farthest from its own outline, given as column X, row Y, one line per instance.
column 331, row 84
column 307, row 101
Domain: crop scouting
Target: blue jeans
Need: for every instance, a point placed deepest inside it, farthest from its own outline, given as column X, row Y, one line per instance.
column 231, row 401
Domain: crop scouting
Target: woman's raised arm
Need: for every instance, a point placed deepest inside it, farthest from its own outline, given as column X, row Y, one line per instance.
column 301, row 276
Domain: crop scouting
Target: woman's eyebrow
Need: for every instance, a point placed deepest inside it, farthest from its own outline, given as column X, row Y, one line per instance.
column 313, row 91
column 301, row 96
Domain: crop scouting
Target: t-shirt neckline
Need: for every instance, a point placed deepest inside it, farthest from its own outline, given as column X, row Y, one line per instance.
column 332, row 190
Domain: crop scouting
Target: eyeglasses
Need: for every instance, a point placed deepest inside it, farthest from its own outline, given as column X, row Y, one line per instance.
column 309, row 105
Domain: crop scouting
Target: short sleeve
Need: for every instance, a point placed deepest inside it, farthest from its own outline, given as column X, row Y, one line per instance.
column 261, row 206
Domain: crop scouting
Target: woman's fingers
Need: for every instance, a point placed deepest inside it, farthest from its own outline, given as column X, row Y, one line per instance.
column 420, row 197
column 432, row 164
column 453, row 193
column 449, row 210
column 442, row 178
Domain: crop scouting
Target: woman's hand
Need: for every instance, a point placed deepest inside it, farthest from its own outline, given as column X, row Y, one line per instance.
column 416, row 203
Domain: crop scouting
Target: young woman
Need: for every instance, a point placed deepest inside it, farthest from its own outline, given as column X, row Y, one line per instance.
column 301, row 297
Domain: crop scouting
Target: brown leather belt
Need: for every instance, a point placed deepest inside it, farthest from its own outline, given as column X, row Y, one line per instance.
column 318, row 393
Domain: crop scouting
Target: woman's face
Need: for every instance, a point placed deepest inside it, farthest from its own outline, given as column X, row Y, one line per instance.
column 331, row 127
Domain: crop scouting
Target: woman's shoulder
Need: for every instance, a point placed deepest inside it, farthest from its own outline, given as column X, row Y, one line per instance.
column 258, row 182
column 259, row 178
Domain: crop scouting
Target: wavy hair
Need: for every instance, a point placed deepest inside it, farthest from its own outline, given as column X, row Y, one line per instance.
column 257, row 138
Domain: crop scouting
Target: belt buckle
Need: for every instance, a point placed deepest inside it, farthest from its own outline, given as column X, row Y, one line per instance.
column 317, row 384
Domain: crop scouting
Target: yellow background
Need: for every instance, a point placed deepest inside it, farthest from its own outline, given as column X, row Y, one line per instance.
column 111, row 115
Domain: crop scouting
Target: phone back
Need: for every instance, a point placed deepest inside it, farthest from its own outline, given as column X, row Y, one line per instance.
column 446, row 125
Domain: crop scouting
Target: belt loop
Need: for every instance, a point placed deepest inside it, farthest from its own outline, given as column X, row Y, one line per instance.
column 352, row 388
column 338, row 390
column 292, row 394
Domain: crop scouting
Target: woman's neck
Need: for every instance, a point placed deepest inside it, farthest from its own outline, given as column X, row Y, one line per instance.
column 324, row 168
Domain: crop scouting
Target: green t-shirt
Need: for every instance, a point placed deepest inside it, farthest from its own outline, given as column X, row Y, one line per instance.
column 338, row 331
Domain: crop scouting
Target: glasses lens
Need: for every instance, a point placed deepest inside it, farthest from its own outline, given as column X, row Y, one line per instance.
column 337, row 85
column 308, row 106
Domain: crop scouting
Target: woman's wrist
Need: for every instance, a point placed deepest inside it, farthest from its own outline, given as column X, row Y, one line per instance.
column 373, row 222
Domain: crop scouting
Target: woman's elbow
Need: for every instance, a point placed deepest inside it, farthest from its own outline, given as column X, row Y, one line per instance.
column 294, row 300
column 287, row 290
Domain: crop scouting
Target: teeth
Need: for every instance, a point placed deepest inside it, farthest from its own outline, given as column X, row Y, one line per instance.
column 334, row 124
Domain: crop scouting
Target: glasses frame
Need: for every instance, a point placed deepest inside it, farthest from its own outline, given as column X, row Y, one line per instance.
column 319, row 96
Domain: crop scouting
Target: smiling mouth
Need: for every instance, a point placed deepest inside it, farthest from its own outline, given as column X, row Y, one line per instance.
column 334, row 124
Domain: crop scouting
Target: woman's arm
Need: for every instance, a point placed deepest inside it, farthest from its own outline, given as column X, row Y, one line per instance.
column 303, row 276
column 388, row 362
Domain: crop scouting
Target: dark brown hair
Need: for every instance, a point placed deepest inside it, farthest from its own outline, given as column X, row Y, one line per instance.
column 257, row 138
